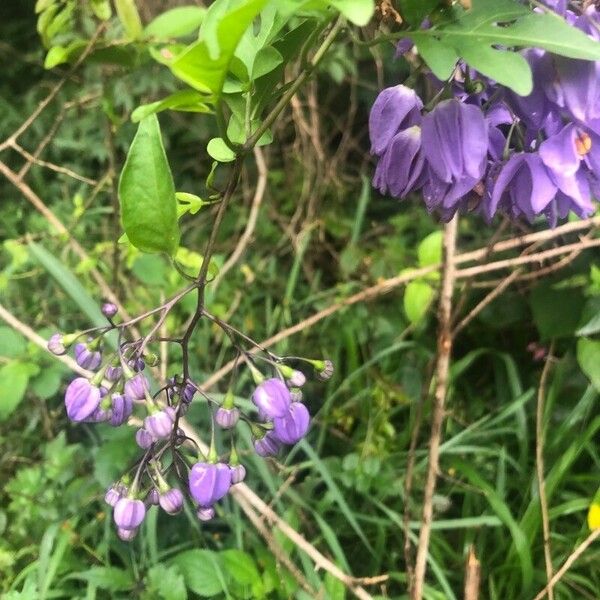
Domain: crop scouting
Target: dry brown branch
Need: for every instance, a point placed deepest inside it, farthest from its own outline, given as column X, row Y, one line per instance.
column 569, row 562
column 444, row 349
column 539, row 468
column 472, row 575
column 261, row 185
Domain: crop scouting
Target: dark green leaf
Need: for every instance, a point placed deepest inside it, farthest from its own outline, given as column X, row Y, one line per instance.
column 147, row 193
column 549, row 314
column 107, row 578
column 13, row 383
column 199, row 570
column 12, row 344
column 167, row 582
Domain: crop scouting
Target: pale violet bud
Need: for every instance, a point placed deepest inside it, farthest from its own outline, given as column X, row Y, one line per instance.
column 143, row 439
column 171, row 501
column 126, row 534
column 205, row 513
column 298, row 379
column 227, row 418
column 56, row 345
column 238, row 474
column 109, row 309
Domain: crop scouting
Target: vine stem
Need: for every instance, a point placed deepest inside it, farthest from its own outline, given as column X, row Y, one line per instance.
column 444, row 348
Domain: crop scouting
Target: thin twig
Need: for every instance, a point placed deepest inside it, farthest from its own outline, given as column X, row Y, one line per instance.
column 539, row 467
column 441, row 388
column 472, row 575
column 569, row 562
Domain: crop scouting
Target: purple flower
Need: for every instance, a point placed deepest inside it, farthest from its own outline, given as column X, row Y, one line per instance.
column 292, row 427
column 455, row 141
column 81, row 399
column 160, row 424
column 55, row 344
column 136, row 387
column 86, row 358
column 126, row 534
column 268, row 445
column 238, row 474
column 113, row 373
column 143, row 439
column 209, row 482
column 109, row 309
column 227, row 417
column 153, row 497
column 114, row 493
column 171, row 501
column 400, row 169
column 396, row 108
column 272, row 397
column 122, row 407
column 137, row 364
column 523, row 187
column 205, row 513
column 129, row 513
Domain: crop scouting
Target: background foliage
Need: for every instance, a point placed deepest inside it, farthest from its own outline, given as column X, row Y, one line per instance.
column 321, row 235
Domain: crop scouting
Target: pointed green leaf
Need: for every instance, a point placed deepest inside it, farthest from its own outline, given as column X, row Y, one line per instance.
column 179, row 21
column 358, row 12
column 129, row 17
column 185, row 101
column 147, row 193
column 13, row 383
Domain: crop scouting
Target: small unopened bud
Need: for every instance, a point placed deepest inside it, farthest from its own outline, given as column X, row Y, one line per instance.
column 55, row 344
column 205, row 514
column 326, row 371
column 238, row 474
column 227, row 418
column 109, row 309
column 126, row 534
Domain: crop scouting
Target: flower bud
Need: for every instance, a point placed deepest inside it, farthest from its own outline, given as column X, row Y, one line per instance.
column 100, row 415
column 114, row 493
column 126, row 534
column 113, row 373
column 81, row 399
column 143, row 439
column 292, row 427
column 205, row 513
column 137, row 364
column 238, row 474
column 122, row 407
column 209, row 482
column 109, row 309
column 268, row 445
column 136, row 387
column 326, row 371
column 160, row 424
column 153, row 497
column 55, row 344
column 227, row 418
column 129, row 513
column 86, row 358
column 187, row 394
column 171, row 501
column 298, row 379
column 272, row 397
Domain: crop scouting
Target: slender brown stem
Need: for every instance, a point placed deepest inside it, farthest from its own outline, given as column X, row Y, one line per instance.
column 441, row 373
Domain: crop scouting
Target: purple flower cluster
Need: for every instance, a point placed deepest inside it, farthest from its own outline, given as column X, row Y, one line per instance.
column 490, row 149
column 116, row 388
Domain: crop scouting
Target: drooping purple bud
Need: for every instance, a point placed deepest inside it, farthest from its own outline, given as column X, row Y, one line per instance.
column 81, row 399
column 113, row 373
column 327, row 371
column 227, row 418
column 129, row 513
column 171, row 501
column 136, row 387
column 109, row 309
column 272, row 397
column 268, row 445
column 86, row 358
column 292, row 427
column 137, row 364
column 298, row 379
column 187, row 394
column 122, row 407
column 238, row 474
column 160, row 424
column 209, row 482
column 143, row 439
column 114, row 493
column 55, row 344
column 126, row 534
column 205, row 513
column 153, row 497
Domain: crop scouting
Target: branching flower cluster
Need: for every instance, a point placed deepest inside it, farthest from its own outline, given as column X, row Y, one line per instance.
column 483, row 147
column 118, row 391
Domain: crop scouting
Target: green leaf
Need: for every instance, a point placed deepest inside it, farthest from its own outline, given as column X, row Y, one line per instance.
column 476, row 34
column 588, row 357
column 185, row 101
column 189, row 203
column 200, row 572
column 13, row 383
column 102, row 9
column 240, row 566
column 197, row 65
column 417, row 299
column 129, row 17
column 414, row 11
column 176, row 22
column 266, row 60
column 591, row 327
column 167, row 582
column 147, row 193
column 549, row 316
column 430, row 249
column 47, row 383
column 219, row 150
column 107, row 578
column 12, row 344
column 440, row 57
column 358, row 12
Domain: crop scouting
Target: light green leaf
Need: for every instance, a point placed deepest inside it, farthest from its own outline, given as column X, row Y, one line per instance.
column 588, row 357
column 185, row 101
column 358, row 12
column 168, row 582
column 101, row 9
column 129, row 17
column 147, row 193
column 189, row 203
column 417, row 299
column 107, row 578
column 12, row 344
column 430, row 249
column 440, row 57
column 591, row 327
column 219, row 150
column 241, row 567
column 267, row 59
column 199, row 570
column 176, row 22
column 13, row 383
column 201, row 69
